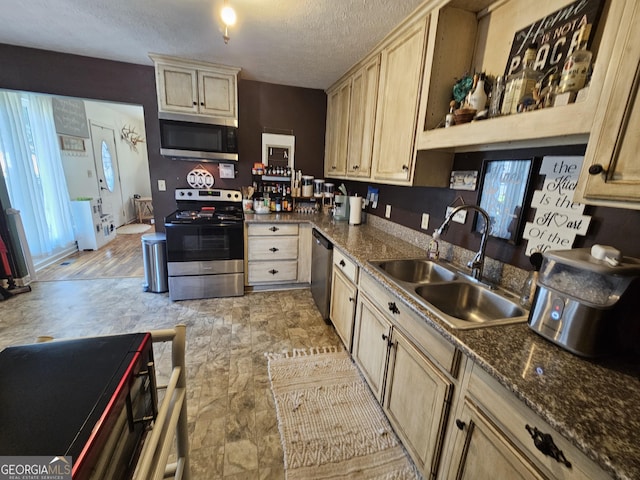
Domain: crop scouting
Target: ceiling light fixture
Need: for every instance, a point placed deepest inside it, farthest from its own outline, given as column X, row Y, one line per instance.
column 228, row 16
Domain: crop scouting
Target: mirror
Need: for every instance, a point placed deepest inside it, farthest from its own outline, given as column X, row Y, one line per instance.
column 504, row 188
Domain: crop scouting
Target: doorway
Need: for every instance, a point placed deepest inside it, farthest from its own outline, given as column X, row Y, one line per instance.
column 105, row 157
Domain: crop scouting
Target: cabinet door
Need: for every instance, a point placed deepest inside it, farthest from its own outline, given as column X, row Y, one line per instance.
column 398, row 95
column 178, row 89
column 362, row 116
column 482, row 451
column 615, row 144
column 417, row 397
column 370, row 336
column 343, row 306
column 217, row 94
column 337, row 129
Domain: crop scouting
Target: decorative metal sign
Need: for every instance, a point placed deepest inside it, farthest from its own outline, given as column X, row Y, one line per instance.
column 200, row 178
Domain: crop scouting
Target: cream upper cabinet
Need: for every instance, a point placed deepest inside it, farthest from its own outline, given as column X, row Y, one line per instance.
column 401, row 68
column 337, row 136
column 362, row 116
column 196, row 88
column 611, row 169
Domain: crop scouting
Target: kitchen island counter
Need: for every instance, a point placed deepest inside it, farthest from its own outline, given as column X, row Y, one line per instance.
column 593, row 403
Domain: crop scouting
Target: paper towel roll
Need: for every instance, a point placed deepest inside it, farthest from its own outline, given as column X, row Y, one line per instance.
column 355, row 210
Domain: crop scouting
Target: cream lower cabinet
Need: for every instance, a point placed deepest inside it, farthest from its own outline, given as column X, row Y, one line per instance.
column 491, row 438
column 344, row 294
column 414, row 388
column 277, row 253
column 417, row 400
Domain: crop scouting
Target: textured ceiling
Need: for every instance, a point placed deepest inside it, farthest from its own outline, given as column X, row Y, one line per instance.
column 307, row 43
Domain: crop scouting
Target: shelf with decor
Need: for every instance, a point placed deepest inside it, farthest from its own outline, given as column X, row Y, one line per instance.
column 482, row 43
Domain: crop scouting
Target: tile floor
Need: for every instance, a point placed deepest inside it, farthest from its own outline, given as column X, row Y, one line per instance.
column 232, row 419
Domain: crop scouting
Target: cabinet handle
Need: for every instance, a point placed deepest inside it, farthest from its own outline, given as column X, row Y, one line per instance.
column 596, row 169
column 393, row 308
column 405, row 167
column 273, row 272
column 274, row 229
column 342, row 264
column 544, row 443
column 460, row 424
column 274, row 249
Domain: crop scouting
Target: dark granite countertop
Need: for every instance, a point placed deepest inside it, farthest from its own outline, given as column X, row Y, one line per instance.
column 593, row 403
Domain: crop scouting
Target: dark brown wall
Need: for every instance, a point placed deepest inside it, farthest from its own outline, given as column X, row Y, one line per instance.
column 609, row 226
column 263, row 107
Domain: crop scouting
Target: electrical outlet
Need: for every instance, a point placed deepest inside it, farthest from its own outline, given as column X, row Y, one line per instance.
column 387, row 212
column 425, row 221
column 459, row 217
column 162, row 185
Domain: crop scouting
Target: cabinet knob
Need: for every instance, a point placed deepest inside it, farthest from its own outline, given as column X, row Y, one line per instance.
column 596, row 169
column 544, row 442
column 393, row 308
column 460, row 424
column 273, row 272
column 342, row 264
column 274, row 229
column 274, row 249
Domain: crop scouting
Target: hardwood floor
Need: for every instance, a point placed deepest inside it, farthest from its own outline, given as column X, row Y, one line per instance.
column 120, row 258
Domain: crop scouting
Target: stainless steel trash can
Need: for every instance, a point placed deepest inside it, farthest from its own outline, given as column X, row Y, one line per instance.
column 154, row 256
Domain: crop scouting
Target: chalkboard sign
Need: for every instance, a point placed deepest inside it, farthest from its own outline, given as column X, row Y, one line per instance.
column 555, row 36
column 70, row 117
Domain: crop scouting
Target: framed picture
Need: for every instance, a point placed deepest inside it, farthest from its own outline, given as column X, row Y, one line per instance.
column 72, row 144
column 278, row 150
column 504, row 189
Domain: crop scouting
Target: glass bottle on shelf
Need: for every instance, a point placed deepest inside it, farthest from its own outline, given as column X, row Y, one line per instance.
column 520, row 85
column 497, row 94
column 576, row 67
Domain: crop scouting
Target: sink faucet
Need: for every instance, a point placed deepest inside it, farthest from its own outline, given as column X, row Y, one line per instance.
column 477, row 264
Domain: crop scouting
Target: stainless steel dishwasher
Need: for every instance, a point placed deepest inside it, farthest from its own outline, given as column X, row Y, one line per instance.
column 321, row 264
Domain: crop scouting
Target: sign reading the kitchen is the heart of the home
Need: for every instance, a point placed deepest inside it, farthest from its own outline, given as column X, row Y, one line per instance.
column 558, row 218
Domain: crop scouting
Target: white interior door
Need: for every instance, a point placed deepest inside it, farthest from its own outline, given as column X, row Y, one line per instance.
column 107, row 172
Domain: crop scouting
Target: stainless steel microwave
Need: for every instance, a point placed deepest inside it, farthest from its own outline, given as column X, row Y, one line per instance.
column 197, row 140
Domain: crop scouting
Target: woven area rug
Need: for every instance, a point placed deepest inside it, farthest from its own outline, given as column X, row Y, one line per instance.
column 330, row 423
column 133, row 228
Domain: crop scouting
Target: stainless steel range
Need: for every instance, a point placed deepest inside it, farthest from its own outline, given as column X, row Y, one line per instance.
column 205, row 244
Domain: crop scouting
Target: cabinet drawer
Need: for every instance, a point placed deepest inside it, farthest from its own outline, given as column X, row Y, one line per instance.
column 276, row 248
column 347, row 266
column 273, row 272
column 511, row 416
column 412, row 325
column 270, row 229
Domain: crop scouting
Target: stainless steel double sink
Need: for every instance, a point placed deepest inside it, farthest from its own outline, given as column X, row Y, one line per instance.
column 458, row 300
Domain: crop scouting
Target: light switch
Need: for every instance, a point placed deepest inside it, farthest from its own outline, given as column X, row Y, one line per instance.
column 162, row 185
column 425, row 221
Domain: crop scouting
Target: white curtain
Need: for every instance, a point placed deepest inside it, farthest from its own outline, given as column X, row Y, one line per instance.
column 32, row 168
